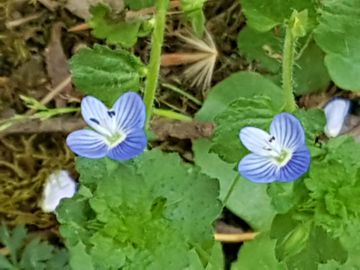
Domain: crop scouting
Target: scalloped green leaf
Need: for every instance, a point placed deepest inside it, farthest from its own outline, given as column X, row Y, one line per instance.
column 136, row 216
column 338, row 36
column 106, row 73
column 257, row 112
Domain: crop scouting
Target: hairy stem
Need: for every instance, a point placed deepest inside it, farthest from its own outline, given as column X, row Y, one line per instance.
column 155, row 57
column 288, row 69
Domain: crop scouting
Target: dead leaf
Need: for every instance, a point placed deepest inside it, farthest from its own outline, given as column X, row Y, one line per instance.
column 57, row 63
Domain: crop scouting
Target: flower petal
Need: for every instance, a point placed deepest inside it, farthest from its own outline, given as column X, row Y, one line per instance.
column 59, row 185
column 87, row 143
column 288, row 131
column 129, row 111
column 336, row 112
column 258, row 141
column 97, row 115
column 297, row 165
column 134, row 144
column 258, row 169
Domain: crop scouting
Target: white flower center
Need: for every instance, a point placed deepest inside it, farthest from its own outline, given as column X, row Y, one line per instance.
column 115, row 139
column 281, row 156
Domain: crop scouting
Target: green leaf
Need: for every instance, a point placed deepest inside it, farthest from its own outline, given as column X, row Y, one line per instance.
column 5, row 263
column 313, row 121
column 79, row 258
column 193, row 10
column 265, row 48
column 351, row 241
column 338, row 36
column 13, row 240
column 244, row 84
column 112, row 29
column 321, row 209
column 35, row 254
column 247, row 200
column 310, row 73
column 263, row 15
column 106, row 73
column 302, row 245
column 139, row 4
column 258, row 254
column 251, row 202
column 257, row 112
column 286, row 196
column 217, row 260
column 146, row 213
column 213, row 166
column 59, row 260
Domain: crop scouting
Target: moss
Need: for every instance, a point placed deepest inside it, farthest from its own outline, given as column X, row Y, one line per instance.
column 27, row 161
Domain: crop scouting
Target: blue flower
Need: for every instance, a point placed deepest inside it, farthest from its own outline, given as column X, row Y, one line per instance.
column 281, row 155
column 117, row 133
column 336, row 112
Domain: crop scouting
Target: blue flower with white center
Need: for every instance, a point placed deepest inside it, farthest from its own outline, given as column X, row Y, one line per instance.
column 336, row 112
column 281, row 155
column 117, row 133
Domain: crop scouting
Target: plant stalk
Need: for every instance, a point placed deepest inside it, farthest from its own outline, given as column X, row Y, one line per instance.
column 288, row 69
column 231, row 189
column 157, row 40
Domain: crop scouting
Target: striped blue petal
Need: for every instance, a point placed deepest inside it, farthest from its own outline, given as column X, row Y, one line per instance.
column 87, row 143
column 134, row 144
column 258, row 169
column 129, row 112
column 97, row 115
column 297, row 165
column 258, row 141
column 288, row 131
column 336, row 112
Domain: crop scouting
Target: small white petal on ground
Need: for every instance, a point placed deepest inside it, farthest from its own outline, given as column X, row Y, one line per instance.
column 58, row 186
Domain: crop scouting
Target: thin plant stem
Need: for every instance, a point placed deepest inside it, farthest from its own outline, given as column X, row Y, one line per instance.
column 231, row 189
column 41, row 115
column 172, row 115
column 155, row 57
column 183, row 93
column 288, row 69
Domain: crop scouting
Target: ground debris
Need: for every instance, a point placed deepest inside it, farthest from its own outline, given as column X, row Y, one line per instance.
column 57, row 63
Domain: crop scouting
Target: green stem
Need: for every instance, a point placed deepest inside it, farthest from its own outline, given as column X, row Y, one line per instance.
column 155, row 57
column 172, row 115
column 287, row 70
column 181, row 92
column 231, row 189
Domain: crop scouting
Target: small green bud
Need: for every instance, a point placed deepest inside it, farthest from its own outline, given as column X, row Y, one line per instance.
column 299, row 23
column 296, row 240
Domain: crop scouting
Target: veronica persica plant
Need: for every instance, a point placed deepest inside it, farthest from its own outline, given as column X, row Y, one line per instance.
column 281, row 155
column 117, row 132
column 336, row 112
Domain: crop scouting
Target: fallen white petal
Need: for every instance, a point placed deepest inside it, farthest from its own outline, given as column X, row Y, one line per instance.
column 336, row 112
column 59, row 185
